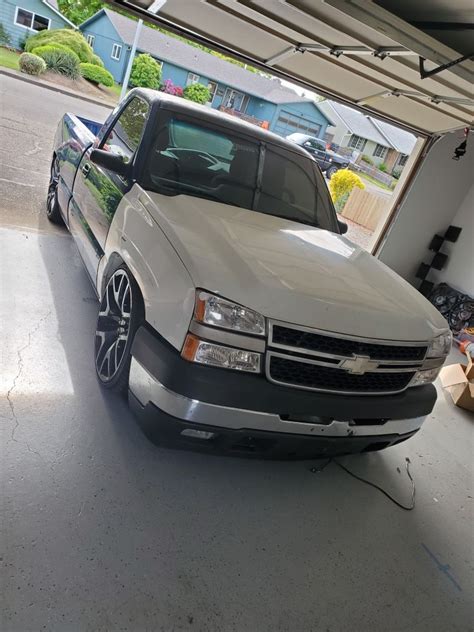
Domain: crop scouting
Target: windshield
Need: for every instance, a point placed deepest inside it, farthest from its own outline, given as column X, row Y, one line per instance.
column 189, row 158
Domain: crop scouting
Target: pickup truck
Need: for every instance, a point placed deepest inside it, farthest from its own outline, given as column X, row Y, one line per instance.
column 328, row 161
column 231, row 309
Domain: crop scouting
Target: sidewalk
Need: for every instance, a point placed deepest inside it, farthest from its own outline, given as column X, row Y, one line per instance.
column 57, row 88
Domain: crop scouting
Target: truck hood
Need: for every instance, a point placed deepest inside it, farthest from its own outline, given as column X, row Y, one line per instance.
column 291, row 272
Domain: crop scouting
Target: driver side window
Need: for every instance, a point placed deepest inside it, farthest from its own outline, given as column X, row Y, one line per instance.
column 124, row 137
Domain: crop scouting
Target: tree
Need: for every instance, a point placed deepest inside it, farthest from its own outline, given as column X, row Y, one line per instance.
column 79, row 11
column 197, row 92
column 146, row 72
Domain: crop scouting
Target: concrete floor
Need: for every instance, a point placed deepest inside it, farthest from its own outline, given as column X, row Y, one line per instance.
column 102, row 531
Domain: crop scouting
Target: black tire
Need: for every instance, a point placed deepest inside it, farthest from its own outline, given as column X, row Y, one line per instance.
column 331, row 171
column 120, row 314
column 52, row 206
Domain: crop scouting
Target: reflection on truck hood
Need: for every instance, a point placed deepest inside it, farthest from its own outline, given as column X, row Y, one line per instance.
column 292, row 272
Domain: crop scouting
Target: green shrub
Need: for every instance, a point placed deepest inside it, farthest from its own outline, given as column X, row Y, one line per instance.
column 97, row 61
column 44, row 51
column 396, row 174
column 63, row 62
column 96, row 74
column 197, row 92
column 146, row 72
column 367, row 159
column 67, row 37
column 382, row 167
column 5, row 39
column 31, row 64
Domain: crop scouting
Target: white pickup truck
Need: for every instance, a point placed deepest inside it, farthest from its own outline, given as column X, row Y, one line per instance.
column 231, row 308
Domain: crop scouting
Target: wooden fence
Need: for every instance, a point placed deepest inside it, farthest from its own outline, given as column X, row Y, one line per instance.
column 365, row 208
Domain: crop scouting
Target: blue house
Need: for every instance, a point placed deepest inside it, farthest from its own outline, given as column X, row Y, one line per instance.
column 250, row 95
column 22, row 18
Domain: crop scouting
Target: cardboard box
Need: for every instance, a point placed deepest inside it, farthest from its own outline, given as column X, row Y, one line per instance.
column 458, row 380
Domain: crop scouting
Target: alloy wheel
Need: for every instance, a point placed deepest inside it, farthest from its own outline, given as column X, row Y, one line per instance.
column 52, row 188
column 113, row 326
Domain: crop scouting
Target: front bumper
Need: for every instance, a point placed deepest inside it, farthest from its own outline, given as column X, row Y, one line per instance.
column 169, row 394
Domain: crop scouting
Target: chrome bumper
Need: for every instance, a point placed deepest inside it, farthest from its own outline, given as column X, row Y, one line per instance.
column 147, row 388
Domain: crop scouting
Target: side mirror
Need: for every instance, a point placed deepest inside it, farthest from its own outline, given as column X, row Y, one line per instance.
column 110, row 161
column 343, row 227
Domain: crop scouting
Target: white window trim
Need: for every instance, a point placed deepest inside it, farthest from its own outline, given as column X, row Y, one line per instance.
column 33, row 13
column 114, row 48
column 90, row 39
column 195, row 78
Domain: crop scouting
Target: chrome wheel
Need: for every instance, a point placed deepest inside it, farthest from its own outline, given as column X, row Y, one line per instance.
column 113, row 327
column 52, row 206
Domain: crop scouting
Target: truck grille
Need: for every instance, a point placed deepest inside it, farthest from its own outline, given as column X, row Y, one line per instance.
column 311, row 360
column 312, row 376
column 302, row 340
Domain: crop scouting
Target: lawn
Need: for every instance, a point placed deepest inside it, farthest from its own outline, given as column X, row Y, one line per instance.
column 381, row 185
column 9, row 58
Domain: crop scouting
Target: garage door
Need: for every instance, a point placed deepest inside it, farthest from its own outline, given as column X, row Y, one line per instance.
column 288, row 123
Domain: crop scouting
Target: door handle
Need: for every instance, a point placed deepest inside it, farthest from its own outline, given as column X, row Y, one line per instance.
column 85, row 169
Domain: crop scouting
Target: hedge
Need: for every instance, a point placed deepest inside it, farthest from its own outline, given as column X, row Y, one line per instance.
column 96, row 74
column 31, row 64
column 197, row 92
column 60, row 60
column 41, row 51
column 66, row 37
column 97, row 61
column 146, row 72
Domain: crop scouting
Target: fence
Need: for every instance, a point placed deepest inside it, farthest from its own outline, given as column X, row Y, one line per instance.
column 363, row 167
column 365, row 208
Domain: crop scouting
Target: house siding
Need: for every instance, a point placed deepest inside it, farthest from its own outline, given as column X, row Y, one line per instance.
column 105, row 36
column 18, row 34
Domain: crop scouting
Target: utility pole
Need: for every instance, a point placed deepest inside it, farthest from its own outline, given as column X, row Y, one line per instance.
column 130, row 59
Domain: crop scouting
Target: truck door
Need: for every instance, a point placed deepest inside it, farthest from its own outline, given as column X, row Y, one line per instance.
column 97, row 192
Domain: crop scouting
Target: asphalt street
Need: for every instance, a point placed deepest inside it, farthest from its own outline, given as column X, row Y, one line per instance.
column 103, row 531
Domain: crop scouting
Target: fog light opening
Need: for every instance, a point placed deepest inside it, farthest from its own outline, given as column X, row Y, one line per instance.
column 198, row 434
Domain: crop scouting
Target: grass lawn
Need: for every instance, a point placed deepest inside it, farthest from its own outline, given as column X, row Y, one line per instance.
column 377, row 183
column 116, row 89
column 9, row 58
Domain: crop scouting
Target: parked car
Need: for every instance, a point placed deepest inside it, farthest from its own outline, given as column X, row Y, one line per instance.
column 231, row 308
column 328, row 160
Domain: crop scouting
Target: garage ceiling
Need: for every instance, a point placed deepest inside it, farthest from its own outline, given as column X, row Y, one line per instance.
column 360, row 52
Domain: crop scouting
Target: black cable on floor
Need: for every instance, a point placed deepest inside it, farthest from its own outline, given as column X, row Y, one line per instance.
column 363, row 480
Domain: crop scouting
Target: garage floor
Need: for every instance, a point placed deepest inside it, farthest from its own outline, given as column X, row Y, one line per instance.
column 104, row 531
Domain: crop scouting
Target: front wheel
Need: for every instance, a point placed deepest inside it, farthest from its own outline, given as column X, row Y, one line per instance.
column 331, row 171
column 52, row 205
column 120, row 315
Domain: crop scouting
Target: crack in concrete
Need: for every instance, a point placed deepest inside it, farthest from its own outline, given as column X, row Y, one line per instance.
column 15, row 380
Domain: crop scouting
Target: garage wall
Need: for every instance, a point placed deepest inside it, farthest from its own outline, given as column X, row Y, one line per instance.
column 434, row 198
column 459, row 272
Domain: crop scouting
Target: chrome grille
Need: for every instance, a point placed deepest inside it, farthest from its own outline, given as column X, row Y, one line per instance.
column 309, row 359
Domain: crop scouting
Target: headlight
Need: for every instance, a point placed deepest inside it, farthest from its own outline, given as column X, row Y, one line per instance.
column 441, row 346
column 425, row 377
column 218, row 312
column 203, row 352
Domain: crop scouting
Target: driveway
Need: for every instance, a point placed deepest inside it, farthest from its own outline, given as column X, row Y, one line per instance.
column 104, row 531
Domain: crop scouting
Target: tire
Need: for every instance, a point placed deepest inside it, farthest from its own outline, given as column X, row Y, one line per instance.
column 53, row 212
column 120, row 314
column 331, row 171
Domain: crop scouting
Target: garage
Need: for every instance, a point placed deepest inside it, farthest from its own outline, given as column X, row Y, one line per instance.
column 288, row 123
column 107, row 530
